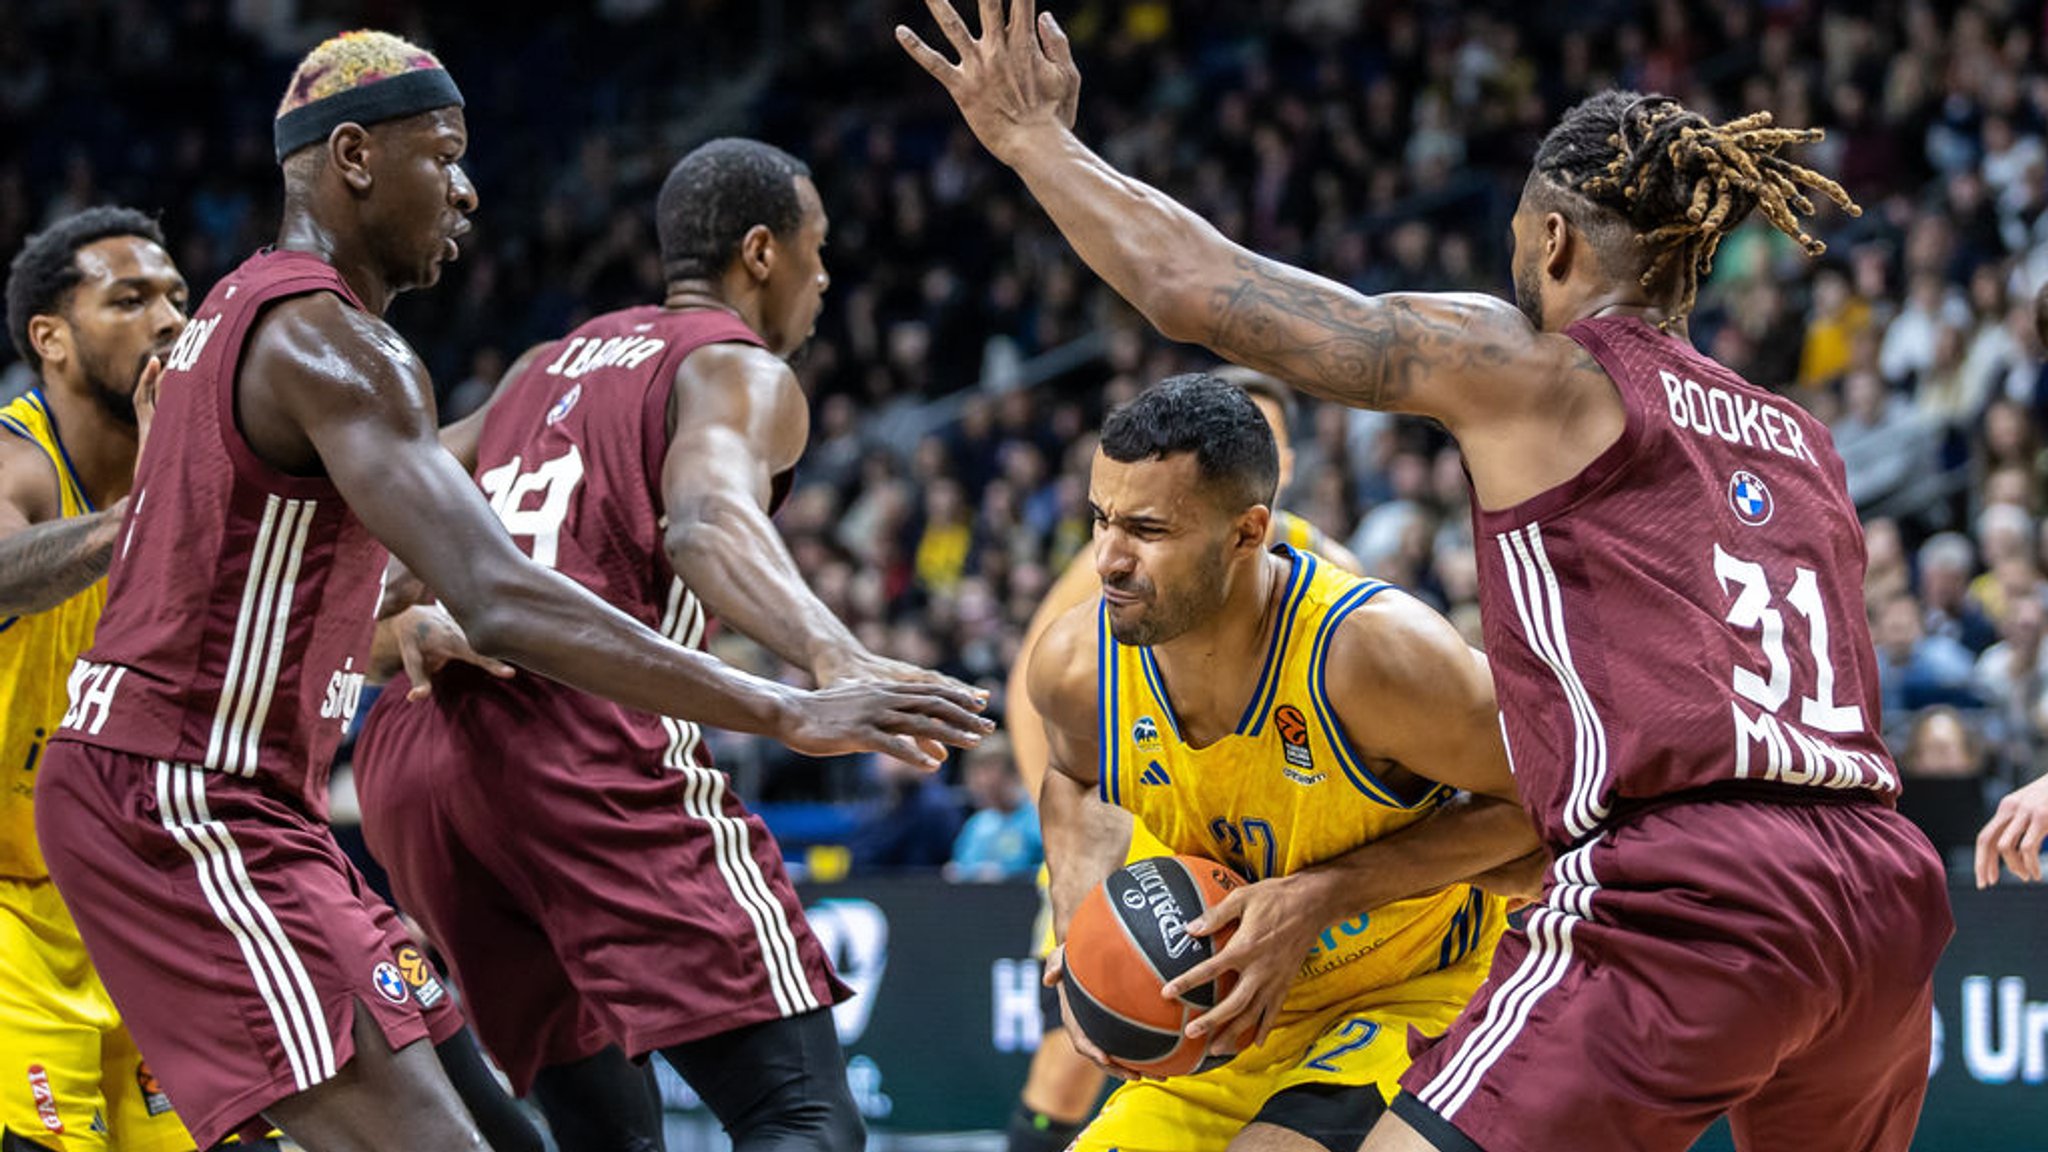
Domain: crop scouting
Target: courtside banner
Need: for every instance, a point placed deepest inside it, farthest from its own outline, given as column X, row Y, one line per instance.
column 946, row 1018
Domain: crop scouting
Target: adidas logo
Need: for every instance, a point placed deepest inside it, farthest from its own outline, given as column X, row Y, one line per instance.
column 1154, row 774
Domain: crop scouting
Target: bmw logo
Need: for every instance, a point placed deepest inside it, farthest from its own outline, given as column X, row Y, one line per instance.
column 1750, row 498
column 390, row 984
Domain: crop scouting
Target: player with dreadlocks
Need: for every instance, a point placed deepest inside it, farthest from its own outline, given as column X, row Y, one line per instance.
column 1737, row 920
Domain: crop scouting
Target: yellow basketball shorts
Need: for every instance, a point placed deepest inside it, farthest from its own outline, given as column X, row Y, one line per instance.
column 1361, row 1042
column 70, row 1077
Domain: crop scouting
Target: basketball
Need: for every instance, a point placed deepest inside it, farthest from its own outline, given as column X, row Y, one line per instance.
column 1127, row 940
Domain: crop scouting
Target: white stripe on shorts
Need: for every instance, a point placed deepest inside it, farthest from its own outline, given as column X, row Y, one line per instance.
column 1550, row 955
column 703, row 791
column 274, row 965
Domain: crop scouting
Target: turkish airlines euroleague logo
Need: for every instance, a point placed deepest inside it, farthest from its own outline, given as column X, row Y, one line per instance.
column 1293, row 729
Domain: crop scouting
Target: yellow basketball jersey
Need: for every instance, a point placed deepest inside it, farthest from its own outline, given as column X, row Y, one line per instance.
column 36, row 653
column 1296, row 532
column 1284, row 791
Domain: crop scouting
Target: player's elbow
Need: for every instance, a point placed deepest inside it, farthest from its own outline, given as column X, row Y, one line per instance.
column 1173, row 301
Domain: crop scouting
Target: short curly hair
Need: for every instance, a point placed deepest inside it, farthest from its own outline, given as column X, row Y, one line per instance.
column 40, row 281
column 714, row 195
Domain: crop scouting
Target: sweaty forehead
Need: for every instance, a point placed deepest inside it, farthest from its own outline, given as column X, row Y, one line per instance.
column 124, row 258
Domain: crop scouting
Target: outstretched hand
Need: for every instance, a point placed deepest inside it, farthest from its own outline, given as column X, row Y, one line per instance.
column 1017, row 78
column 909, row 721
column 1275, row 929
column 2014, row 835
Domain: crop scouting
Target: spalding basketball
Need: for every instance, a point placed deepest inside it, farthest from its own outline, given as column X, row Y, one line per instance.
column 1128, row 938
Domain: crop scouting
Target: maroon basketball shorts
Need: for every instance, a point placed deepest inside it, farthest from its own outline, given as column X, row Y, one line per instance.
column 233, row 934
column 1770, row 961
column 585, row 904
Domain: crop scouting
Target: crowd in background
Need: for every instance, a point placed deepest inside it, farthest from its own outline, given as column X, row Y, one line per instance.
column 1382, row 144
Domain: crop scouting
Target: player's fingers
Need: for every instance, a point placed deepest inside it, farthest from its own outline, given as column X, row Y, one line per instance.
column 992, row 21
column 964, row 697
column 941, row 720
column 1019, row 33
column 1053, row 39
column 1988, row 855
column 1055, row 966
column 951, row 26
column 1200, row 974
column 409, row 655
column 1220, row 1018
column 1224, row 911
column 908, row 749
column 145, row 384
column 2029, row 865
column 927, row 57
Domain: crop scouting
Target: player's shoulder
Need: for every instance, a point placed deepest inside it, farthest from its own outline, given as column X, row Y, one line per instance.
column 28, row 477
column 1062, row 674
column 321, row 339
column 1389, row 643
column 727, row 364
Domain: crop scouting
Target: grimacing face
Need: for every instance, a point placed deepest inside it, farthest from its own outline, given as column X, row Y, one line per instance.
column 129, row 305
column 1162, row 547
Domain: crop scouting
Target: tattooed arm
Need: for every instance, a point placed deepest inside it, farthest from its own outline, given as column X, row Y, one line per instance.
column 45, row 558
column 1452, row 357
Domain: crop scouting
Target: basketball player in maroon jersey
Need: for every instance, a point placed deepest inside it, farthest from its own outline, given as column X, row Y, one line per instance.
column 596, row 886
column 1738, row 921
column 183, row 803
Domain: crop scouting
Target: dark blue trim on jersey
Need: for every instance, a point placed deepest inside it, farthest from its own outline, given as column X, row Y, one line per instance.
column 19, row 429
column 10, row 622
column 35, row 397
column 1158, row 685
column 1298, row 582
column 1355, row 770
column 1111, row 737
column 1467, row 926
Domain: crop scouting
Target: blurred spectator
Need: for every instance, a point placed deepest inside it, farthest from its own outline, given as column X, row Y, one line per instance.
column 1000, row 840
column 912, row 826
column 1946, row 563
column 1916, row 669
column 2013, row 684
column 1883, row 441
column 1943, row 791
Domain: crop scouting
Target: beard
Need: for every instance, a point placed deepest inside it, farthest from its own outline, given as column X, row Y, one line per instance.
column 1166, row 617
column 1529, row 295
column 115, row 395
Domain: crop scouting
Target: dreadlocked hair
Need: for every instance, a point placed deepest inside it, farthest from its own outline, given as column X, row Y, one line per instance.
column 1682, row 183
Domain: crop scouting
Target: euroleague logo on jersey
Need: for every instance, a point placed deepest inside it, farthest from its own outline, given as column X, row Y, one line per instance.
column 1750, row 498
column 563, row 405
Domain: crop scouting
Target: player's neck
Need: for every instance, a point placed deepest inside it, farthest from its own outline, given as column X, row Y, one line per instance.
column 301, row 231
column 710, row 294
column 100, row 446
column 1211, row 671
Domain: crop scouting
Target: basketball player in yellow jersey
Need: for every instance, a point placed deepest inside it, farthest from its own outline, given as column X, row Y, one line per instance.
column 1062, row 1087
column 93, row 305
column 1262, row 708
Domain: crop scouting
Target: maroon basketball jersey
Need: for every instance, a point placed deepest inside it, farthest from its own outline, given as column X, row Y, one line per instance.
column 241, row 599
column 1688, row 610
column 571, row 458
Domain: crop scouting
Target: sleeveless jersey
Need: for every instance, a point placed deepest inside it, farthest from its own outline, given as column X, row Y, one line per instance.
column 1297, row 533
column 36, row 654
column 1688, row 610
column 571, row 457
column 1286, row 790
column 241, row 599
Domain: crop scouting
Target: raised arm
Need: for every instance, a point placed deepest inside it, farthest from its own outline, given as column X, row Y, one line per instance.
column 739, row 419
column 368, row 414
column 1451, row 357
column 47, row 558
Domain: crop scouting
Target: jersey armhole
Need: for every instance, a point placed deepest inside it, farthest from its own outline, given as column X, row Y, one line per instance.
column 227, row 415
